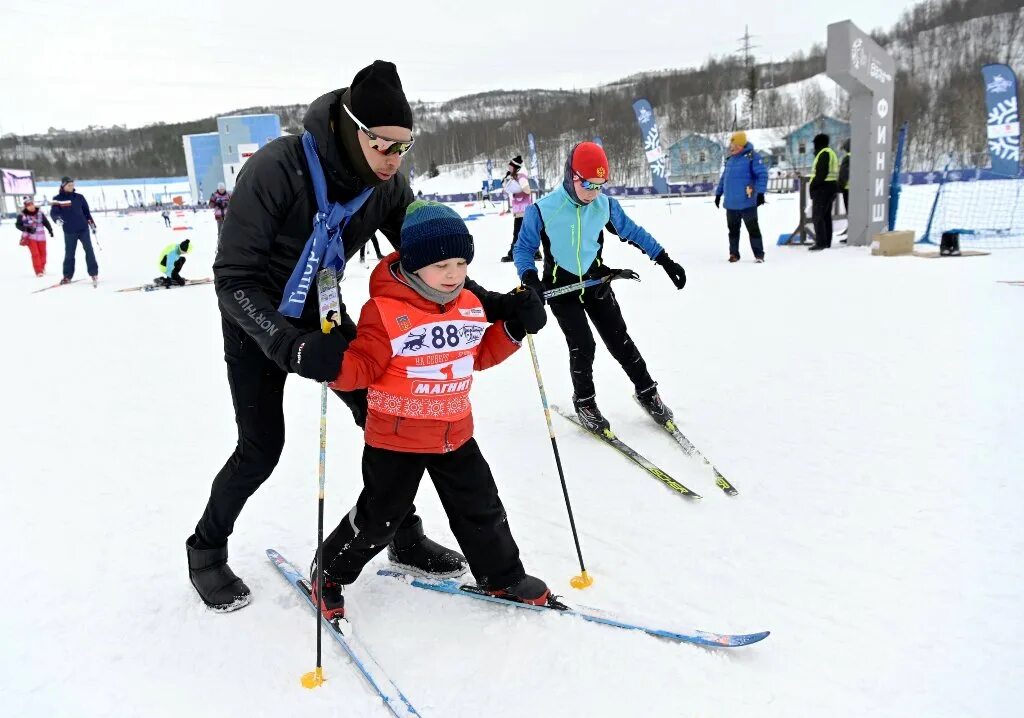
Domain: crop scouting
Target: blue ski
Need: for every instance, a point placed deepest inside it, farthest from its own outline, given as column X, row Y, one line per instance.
column 393, row 699
column 700, row 638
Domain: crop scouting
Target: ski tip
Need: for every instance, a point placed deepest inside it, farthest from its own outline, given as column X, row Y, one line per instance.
column 727, row 640
column 748, row 638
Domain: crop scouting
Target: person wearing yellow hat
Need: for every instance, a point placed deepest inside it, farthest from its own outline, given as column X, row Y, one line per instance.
column 743, row 183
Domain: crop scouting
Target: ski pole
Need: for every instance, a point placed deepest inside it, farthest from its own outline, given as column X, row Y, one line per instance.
column 330, row 305
column 568, row 288
column 584, row 579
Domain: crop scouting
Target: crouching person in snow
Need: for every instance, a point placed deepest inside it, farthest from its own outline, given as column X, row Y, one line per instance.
column 570, row 222
column 34, row 226
column 419, row 339
column 172, row 259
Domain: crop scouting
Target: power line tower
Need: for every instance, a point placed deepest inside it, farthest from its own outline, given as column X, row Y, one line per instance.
column 749, row 73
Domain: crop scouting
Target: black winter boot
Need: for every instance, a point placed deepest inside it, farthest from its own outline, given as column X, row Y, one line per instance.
column 528, row 589
column 651, row 401
column 213, row 579
column 332, row 604
column 590, row 416
column 411, row 550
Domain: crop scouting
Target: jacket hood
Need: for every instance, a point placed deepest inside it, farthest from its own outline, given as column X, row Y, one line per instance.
column 386, row 281
column 347, row 174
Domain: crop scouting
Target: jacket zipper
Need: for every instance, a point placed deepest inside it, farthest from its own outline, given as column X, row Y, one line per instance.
column 447, row 444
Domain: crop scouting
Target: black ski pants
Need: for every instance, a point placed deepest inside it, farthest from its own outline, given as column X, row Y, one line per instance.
column 517, row 224
column 821, row 214
column 257, row 392
column 733, row 218
column 600, row 305
column 470, row 498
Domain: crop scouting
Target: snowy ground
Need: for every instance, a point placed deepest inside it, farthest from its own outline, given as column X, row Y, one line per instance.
column 868, row 410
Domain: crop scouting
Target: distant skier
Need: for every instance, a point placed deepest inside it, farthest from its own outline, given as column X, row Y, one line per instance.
column 34, row 226
column 743, row 182
column 417, row 290
column 71, row 210
column 167, row 218
column 376, row 249
column 824, row 184
column 516, row 184
column 219, row 201
column 570, row 223
column 172, row 259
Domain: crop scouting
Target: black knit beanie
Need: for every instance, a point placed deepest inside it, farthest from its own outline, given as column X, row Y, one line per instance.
column 378, row 98
column 516, row 161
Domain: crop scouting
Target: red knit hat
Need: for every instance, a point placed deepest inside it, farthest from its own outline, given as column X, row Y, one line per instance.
column 589, row 161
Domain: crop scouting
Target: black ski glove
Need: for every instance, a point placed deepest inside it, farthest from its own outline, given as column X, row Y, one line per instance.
column 528, row 311
column 317, row 356
column 718, row 201
column 532, row 280
column 673, row 270
column 760, row 198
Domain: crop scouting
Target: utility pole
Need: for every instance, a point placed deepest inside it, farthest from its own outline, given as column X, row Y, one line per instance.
column 749, row 73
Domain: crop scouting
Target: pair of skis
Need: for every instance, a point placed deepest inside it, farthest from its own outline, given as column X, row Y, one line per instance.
column 95, row 284
column 396, row 702
column 152, row 286
column 612, row 440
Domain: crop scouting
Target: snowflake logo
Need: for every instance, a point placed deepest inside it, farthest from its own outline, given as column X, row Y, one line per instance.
column 644, row 116
column 858, row 55
column 999, row 84
column 652, row 146
column 1004, row 131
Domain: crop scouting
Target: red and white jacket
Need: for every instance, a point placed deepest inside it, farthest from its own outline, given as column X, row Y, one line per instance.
column 416, row 359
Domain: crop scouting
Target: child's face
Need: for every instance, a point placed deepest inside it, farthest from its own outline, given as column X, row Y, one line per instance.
column 444, row 276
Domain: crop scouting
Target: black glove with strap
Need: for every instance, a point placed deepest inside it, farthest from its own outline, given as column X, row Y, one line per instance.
column 317, row 356
column 673, row 270
column 532, row 280
column 529, row 316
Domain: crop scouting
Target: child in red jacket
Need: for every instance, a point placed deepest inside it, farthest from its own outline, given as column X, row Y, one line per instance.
column 419, row 339
column 34, row 226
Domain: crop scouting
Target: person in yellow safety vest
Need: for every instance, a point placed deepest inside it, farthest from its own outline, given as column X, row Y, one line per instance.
column 172, row 259
column 824, row 185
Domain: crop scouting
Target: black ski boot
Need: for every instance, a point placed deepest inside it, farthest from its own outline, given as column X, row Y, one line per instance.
column 528, row 589
column 213, row 579
column 412, row 551
column 332, row 604
column 653, row 405
column 590, row 416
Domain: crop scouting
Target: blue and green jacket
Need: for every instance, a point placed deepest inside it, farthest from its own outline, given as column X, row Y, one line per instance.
column 573, row 236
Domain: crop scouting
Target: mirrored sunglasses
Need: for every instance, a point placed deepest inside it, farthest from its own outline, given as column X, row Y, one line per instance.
column 588, row 185
column 384, row 145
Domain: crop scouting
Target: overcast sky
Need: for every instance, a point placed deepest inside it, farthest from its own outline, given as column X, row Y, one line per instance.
column 69, row 64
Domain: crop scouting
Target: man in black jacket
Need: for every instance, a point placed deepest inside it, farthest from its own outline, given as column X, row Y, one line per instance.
column 361, row 133
column 824, row 184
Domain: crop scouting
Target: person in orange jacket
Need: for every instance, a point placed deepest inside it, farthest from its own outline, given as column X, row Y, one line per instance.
column 419, row 339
